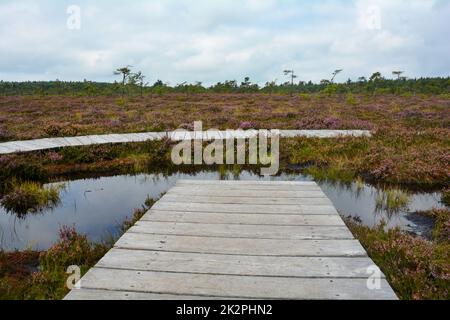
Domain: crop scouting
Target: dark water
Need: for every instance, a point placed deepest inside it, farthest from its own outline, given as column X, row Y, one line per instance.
column 97, row 207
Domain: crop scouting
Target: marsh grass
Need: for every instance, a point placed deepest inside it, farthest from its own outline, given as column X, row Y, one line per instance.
column 26, row 197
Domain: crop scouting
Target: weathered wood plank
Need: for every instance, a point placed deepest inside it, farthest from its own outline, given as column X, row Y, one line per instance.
column 252, row 187
column 246, row 200
column 242, row 231
column 106, row 294
column 225, row 192
column 328, row 267
column 241, row 246
column 233, row 286
column 237, row 208
column 243, row 218
column 246, row 182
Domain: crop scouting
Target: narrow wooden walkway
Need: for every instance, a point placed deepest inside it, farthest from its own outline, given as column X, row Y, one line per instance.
column 232, row 240
column 52, row 143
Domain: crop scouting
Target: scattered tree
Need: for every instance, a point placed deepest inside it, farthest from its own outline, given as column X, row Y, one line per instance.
column 138, row 79
column 334, row 74
column 376, row 76
column 125, row 72
column 362, row 79
column 292, row 75
column 398, row 74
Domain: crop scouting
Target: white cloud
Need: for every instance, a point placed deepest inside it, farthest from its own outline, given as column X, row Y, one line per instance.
column 213, row 41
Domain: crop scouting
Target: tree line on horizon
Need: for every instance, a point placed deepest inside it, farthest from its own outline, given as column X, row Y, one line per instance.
column 133, row 83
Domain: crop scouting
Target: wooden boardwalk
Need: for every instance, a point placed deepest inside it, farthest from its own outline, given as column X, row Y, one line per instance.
column 233, row 240
column 53, row 143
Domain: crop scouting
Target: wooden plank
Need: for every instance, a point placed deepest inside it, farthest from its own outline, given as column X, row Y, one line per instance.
column 241, row 246
column 243, row 218
column 252, row 188
column 237, row 208
column 246, row 182
column 85, row 140
column 329, row 267
column 290, row 185
column 231, row 187
column 225, row 192
column 233, row 286
column 242, row 231
column 107, row 294
column 171, row 197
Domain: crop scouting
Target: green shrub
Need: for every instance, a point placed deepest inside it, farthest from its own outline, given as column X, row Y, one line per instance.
column 350, row 99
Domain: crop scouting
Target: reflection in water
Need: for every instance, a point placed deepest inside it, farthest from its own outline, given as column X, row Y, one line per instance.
column 391, row 201
column 97, row 207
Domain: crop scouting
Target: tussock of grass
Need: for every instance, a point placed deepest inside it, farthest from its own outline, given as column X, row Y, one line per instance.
column 28, row 197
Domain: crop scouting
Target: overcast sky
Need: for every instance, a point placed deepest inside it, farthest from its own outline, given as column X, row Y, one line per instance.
column 215, row 40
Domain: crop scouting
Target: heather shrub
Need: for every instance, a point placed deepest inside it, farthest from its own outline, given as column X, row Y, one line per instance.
column 60, row 130
column 415, row 268
column 4, row 134
column 441, row 230
column 445, row 198
column 54, row 156
column 317, row 122
column 246, row 125
column 90, row 154
column 72, row 248
column 20, row 169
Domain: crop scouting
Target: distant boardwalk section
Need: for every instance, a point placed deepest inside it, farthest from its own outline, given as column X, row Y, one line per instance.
column 237, row 239
column 52, row 143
